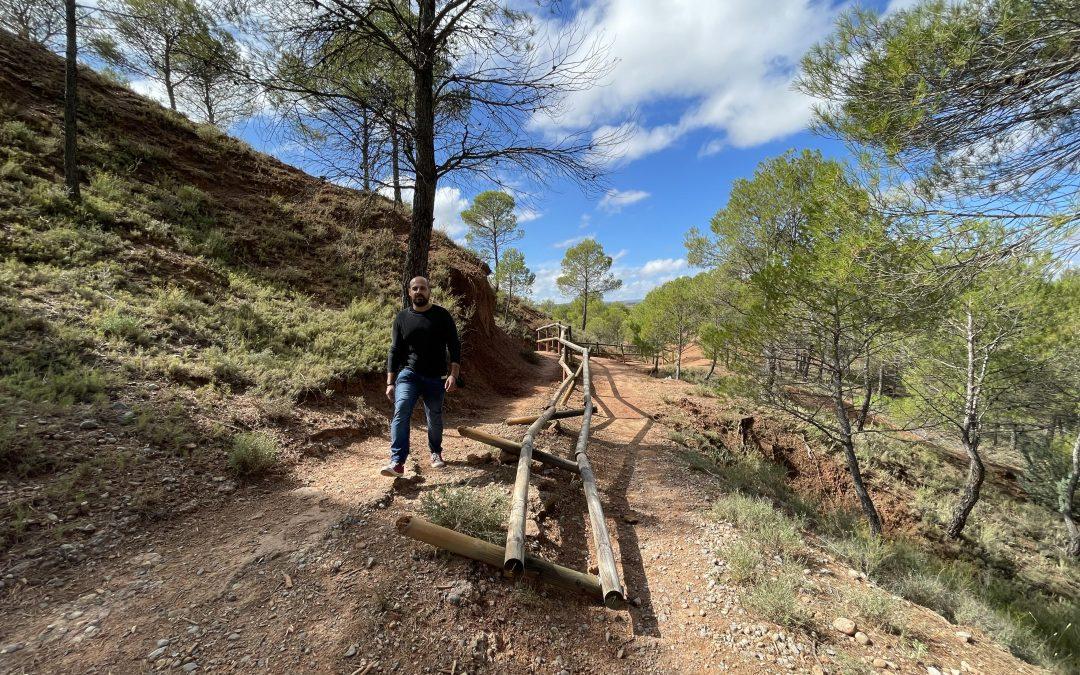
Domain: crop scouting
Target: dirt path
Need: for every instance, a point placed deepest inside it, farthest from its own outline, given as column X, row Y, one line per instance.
column 315, row 578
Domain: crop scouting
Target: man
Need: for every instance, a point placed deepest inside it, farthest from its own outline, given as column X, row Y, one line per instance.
column 421, row 336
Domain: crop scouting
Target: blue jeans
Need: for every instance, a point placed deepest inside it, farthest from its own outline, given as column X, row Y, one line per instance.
column 408, row 387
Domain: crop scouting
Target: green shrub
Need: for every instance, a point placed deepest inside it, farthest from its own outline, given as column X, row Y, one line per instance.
column 115, row 323
column 745, row 561
column 217, row 245
column 928, row 590
column 18, row 133
column 253, row 453
column 110, row 187
column 777, row 599
column 864, row 552
column 878, row 609
column 477, row 512
column 1012, row 631
column 772, row 531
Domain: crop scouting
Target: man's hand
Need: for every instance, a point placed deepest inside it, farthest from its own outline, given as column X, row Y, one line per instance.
column 451, row 383
column 390, row 391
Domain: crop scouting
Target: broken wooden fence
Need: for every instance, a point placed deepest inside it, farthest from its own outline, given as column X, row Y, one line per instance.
column 514, row 561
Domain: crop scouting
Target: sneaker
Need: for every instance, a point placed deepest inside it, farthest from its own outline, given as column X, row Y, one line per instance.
column 436, row 460
column 393, row 470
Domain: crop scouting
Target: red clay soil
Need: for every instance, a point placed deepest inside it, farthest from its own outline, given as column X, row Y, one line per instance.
column 310, row 575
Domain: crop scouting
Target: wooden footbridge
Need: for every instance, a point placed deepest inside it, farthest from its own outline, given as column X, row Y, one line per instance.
column 512, row 559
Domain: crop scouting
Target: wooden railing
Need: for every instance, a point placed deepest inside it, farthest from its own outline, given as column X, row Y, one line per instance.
column 515, row 563
column 547, row 340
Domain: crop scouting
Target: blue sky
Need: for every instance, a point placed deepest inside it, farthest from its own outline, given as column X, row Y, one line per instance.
column 702, row 90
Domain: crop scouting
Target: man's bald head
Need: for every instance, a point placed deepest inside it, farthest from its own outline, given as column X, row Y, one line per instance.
column 420, row 292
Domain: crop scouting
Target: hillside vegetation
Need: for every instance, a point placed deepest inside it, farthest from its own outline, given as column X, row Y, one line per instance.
column 206, row 309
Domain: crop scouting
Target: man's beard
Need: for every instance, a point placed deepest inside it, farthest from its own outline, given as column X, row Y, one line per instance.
column 419, row 301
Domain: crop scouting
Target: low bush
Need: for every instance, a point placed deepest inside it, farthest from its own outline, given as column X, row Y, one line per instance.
column 777, row 598
column 477, row 512
column 771, row 530
column 253, row 453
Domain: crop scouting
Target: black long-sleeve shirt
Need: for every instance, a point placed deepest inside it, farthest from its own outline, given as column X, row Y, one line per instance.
column 420, row 341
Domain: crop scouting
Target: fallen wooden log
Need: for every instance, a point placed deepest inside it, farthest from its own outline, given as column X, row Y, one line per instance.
column 515, row 448
column 562, row 414
column 614, row 596
column 491, row 554
column 514, row 560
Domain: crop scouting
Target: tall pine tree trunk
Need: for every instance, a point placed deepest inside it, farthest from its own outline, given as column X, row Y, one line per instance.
column 585, row 305
column 365, row 149
column 1068, row 495
column 423, row 214
column 847, row 442
column 970, row 436
column 868, row 393
column 394, row 152
column 170, row 88
column 71, row 106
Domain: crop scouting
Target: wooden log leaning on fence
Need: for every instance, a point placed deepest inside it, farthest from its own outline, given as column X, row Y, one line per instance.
column 486, row 552
column 514, row 560
column 514, row 448
column 560, row 415
column 614, row 596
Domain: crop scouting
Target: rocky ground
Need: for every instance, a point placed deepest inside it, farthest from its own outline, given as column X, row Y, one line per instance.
column 309, row 574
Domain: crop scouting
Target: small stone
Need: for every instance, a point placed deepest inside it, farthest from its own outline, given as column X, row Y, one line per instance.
column 460, row 593
column 11, row 648
column 233, row 637
column 844, row 625
column 862, row 638
column 164, row 642
column 621, row 654
column 880, row 663
column 89, row 424
column 964, row 637
column 350, row 652
column 156, row 654
column 190, row 667
column 930, row 670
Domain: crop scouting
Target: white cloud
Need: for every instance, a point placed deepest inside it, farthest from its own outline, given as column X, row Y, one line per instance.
column 586, row 220
column 727, row 67
column 567, row 243
column 448, row 207
column 449, row 203
column 663, row 266
column 616, row 200
column 637, row 280
column 545, row 287
column 526, row 215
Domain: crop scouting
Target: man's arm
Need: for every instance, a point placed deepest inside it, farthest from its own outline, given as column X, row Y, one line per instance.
column 453, row 344
column 394, row 358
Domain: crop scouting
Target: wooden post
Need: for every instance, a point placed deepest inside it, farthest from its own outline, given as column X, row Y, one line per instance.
column 614, row 596
column 486, row 552
column 514, row 560
column 514, row 447
column 562, row 414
